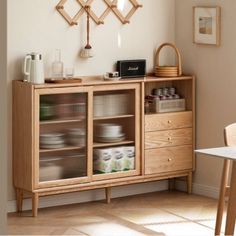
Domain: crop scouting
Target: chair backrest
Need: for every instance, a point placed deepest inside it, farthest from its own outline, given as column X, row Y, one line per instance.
column 230, row 135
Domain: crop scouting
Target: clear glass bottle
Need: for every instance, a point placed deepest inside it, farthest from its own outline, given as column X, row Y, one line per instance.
column 57, row 66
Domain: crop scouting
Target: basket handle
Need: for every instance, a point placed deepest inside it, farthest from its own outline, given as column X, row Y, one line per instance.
column 179, row 61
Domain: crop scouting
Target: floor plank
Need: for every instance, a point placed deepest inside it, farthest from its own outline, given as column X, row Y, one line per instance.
column 161, row 213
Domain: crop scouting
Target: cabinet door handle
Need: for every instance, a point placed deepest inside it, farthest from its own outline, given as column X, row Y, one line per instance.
column 170, row 159
column 169, row 138
column 169, row 122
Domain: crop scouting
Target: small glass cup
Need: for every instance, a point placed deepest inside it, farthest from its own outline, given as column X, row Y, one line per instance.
column 69, row 73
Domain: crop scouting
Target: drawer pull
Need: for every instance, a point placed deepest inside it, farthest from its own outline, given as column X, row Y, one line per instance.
column 169, row 138
column 170, row 159
column 169, row 122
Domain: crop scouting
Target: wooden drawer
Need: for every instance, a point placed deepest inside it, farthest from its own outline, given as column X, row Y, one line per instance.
column 168, row 138
column 168, row 121
column 168, row 159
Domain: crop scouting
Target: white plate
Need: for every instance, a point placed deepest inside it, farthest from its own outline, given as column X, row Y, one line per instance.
column 77, row 132
column 52, row 135
column 111, row 137
column 51, row 138
column 52, row 142
column 110, row 140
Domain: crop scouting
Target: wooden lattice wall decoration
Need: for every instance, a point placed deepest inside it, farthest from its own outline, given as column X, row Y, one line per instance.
column 111, row 7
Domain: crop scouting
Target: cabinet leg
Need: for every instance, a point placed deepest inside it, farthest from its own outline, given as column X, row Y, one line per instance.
column 108, row 195
column 189, row 182
column 19, row 199
column 35, row 203
column 171, row 184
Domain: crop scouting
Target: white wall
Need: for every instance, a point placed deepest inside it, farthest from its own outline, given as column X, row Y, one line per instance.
column 35, row 25
column 3, row 114
column 215, row 68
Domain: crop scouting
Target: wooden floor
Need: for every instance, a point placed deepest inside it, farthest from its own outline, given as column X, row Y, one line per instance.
column 161, row 213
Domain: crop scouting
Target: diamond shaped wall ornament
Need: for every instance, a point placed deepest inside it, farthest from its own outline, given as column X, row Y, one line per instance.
column 83, row 9
column 85, row 5
column 61, row 9
column 97, row 19
column 123, row 19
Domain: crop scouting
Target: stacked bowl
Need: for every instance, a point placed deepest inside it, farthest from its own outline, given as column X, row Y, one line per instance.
column 109, row 133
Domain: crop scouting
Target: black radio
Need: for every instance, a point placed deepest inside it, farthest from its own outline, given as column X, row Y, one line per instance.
column 131, row 68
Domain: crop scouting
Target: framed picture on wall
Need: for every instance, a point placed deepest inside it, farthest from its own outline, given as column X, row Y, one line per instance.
column 206, row 25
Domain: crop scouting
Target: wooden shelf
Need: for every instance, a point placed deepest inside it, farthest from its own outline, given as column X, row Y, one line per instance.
column 112, row 117
column 96, row 145
column 67, row 148
column 48, row 122
column 165, row 113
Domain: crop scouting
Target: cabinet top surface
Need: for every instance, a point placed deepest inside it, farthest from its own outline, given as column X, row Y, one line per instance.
column 98, row 80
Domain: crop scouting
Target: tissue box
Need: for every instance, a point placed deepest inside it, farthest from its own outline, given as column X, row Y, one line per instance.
column 129, row 154
column 102, row 160
column 118, row 160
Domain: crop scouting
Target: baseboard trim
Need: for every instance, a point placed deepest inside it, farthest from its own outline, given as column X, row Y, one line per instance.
column 123, row 191
column 199, row 189
column 93, row 195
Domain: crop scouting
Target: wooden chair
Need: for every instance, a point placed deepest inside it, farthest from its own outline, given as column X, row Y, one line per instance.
column 230, row 140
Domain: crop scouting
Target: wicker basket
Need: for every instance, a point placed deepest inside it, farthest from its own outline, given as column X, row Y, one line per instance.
column 168, row 71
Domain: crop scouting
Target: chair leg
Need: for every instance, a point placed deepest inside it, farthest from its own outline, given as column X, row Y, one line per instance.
column 19, row 199
column 108, row 195
column 221, row 202
column 189, row 182
column 35, row 203
column 231, row 211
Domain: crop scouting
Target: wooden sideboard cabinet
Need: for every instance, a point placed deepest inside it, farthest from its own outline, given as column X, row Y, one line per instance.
column 58, row 147
column 169, row 137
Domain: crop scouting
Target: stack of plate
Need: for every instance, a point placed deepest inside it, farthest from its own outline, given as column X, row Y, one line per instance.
column 166, row 71
column 52, row 140
column 109, row 133
column 76, row 137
